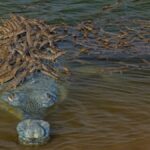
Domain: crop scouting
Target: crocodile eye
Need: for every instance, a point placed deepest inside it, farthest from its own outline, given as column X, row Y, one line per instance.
column 11, row 97
column 48, row 95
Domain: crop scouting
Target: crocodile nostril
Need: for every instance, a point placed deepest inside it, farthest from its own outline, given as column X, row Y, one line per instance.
column 48, row 95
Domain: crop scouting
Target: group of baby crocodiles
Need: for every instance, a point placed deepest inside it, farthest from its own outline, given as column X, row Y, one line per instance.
column 31, row 66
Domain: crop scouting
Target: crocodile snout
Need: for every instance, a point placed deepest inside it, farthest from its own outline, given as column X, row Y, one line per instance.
column 33, row 132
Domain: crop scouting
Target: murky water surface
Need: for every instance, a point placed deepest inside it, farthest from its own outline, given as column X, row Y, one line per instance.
column 102, row 111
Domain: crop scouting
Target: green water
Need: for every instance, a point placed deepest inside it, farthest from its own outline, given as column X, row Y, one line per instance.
column 71, row 11
column 103, row 111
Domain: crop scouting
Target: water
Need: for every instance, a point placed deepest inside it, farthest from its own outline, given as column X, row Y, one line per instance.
column 108, row 111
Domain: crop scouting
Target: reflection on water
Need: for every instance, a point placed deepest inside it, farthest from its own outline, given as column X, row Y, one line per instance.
column 102, row 111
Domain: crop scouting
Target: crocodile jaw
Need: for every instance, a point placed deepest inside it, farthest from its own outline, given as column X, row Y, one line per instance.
column 33, row 132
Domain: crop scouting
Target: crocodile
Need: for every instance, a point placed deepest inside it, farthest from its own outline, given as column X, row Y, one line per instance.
column 30, row 102
column 29, row 76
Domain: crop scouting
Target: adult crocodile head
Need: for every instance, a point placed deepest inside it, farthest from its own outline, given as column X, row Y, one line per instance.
column 32, row 99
